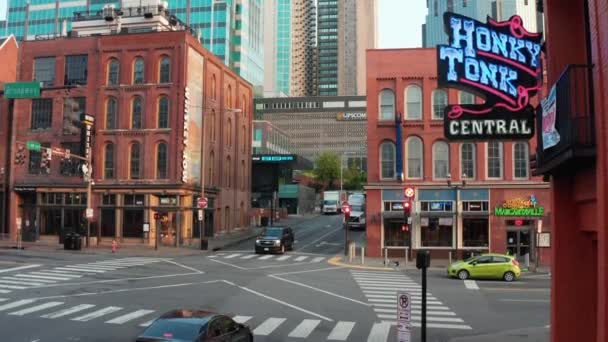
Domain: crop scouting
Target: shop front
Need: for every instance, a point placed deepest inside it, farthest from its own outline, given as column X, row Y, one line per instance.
column 437, row 221
column 396, row 233
column 475, row 222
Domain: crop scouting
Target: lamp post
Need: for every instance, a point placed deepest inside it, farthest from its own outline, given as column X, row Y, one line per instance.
column 457, row 187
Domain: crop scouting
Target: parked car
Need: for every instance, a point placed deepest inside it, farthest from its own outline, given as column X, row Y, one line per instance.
column 275, row 239
column 195, row 326
column 486, row 266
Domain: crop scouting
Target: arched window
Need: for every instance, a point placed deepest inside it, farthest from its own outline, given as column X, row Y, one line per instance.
column 494, row 159
column 228, row 172
column 387, row 160
column 244, row 139
column 113, row 72
column 212, row 125
column 520, row 160
column 229, row 134
column 111, row 113
column 108, row 162
column 213, row 88
column 441, row 160
column 229, row 97
column 164, row 70
column 415, row 157
column 163, row 112
column 466, row 98
column 161, row 161
column 387, row 105
column 440, row 101
column 135, row 162
column 468, row 160
column 138, row 71
column 211, row 169
column 413, row 110
column 136, row 109
column 243, row 173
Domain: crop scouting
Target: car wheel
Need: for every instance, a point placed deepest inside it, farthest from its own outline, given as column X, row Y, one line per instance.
column 509, row 276
column 463, row 275
column 250, row 338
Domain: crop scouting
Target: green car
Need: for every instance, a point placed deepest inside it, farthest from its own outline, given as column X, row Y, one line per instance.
column 486, row 266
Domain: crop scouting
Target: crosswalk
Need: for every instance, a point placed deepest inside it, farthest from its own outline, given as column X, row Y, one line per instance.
column 49, row 276
column 261, row 327
column 269, row 257
column 380, row 289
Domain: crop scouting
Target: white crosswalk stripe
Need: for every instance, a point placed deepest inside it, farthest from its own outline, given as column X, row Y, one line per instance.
column 241, row 319
column 68, row 311
column 36, row 308
column 26, row 280
column 16, row 282
column 250, row 256
column 33, row 276
column 381, row 289
column 51, row 274
column 283, row 258
column 266, row 257
column 83, row 270
column 95, row 314
column 301, row 258
column 130, row 316
column 341, row 331
column 13, row 287
column 232, row 256
column 5, row 291
column 318, row 259
column 268, row 326
column 16, row 304
column 147, row 324
column 304, row 328
column 379, row 332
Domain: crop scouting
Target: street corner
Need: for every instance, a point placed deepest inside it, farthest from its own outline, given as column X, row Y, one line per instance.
column 337, row 261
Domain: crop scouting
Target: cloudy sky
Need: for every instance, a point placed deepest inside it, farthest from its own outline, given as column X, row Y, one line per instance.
column 399, row 23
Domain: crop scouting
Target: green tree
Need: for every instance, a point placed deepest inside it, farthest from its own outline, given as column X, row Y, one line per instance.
column 327, row 168
column 354, row 179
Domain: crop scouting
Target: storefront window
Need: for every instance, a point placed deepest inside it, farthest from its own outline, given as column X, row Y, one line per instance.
column 394, row 235
column 436, row 231
column 133, row 216
column 108, row 216
column 475, row 232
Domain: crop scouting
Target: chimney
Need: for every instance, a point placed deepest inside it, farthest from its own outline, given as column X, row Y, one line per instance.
column 64, row 28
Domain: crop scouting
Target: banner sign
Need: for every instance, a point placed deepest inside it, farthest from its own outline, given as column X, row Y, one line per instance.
column 498, row 61
column 550, row 134
column 522, row 207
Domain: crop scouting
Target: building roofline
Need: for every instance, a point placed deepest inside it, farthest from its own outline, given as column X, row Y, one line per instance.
column 9, row 38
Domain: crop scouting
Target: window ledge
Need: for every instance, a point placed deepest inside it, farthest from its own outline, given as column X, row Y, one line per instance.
column 386, row 123
column 437, row 123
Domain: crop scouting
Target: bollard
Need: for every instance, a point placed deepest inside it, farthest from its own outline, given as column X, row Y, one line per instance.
column 527, row 260
column 362, row 255
column 450, row 258
column 114, row 246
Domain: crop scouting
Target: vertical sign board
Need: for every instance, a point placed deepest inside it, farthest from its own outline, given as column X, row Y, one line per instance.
column 498, row 61
column 87, row 126
column 193, row 119
column 404, row 317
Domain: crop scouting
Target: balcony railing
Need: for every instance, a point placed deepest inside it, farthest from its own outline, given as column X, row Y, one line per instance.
column 574, row 121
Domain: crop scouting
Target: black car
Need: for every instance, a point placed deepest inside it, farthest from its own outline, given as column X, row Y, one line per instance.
column 274, row 239
column 195, row 326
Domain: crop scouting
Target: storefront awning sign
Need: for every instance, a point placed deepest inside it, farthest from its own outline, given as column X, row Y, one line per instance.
column 520, row 207
column 498, row 61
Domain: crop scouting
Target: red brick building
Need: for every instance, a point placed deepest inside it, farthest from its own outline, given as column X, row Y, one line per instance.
column 168, row 114
column 577, row 65
column 461, row 188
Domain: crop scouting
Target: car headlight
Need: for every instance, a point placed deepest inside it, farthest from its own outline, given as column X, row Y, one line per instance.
column 277, row 242
column 257, row 242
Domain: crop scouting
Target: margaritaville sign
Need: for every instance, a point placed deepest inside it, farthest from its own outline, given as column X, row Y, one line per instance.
column 498, row 61
column 521, row 207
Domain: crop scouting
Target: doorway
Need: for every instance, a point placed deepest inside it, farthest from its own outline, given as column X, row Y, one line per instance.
column 519, row 243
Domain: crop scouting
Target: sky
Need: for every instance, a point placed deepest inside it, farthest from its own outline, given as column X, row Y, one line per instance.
column 400, row 23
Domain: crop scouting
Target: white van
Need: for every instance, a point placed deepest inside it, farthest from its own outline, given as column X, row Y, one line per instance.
column 357, row 211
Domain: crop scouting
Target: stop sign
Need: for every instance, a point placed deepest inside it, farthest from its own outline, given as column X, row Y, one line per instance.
column 202, row 202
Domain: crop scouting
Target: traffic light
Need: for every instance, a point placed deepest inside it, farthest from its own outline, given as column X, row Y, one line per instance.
column 20, row 155
column 405, row 228
column 407, row 207
column 45, row 161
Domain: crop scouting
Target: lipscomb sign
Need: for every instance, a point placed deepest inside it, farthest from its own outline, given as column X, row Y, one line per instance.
column 498, row 61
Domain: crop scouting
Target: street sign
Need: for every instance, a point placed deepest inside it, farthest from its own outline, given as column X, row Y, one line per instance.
column 22, row 90
column 404, row 317
column 33, row 145
column 89, row 213
column 200, row 215
column 409, row 192
column 203, row 202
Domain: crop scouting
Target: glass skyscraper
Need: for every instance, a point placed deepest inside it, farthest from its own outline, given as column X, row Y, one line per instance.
column 234, row 25
column 327, row 28
column 283, row 46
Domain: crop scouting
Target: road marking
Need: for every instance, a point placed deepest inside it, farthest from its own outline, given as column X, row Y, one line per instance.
column 241, row 319
column 83, row 270
column 268, row 326
column 379, row 332
column 304, row 328
column 319, row 290
column 377, row 300
column 428, row 319
column 284, row 257
column 232, row 256
column 212, row 256
column 36, row 308
column 250, row 256
column 16, row 304
column 301, row 258
column 229, row 264
column 265, row 257
column 526, row 300
column 130, row 316
column 3, row 299
column 417, row 312
column 16, row 282
column 6, row 270
column 68, row 311
column 437, row 325
column 5, row 291
column 308, row 271
column 146, row 324
column 55, row 274
column 97, row 314
column 40, row 277
column 13, row 287
column 26, row 279
column 381, row 273
column 320, row 238
column 62, row 273
column 101, row 267
column 429, row 307
column 395, row 287
column 184, row 266
column 471, row 285
column 318, row 259
column 341, row 331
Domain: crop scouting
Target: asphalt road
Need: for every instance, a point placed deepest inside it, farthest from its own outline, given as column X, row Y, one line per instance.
column 58, row 296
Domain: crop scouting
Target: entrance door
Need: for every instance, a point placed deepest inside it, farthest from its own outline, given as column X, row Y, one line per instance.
column 519, row 243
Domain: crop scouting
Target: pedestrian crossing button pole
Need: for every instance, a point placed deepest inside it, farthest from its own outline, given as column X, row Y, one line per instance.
column 423, row 261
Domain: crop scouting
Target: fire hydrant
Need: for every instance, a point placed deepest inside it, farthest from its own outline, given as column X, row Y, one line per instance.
column 114, row 246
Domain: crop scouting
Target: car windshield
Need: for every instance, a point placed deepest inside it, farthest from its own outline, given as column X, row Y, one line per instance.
column 330, row 202
column 176, row 330
column 356, row 208
column 272, row 232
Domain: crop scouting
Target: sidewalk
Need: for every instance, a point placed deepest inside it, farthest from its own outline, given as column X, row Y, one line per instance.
column 535, row 334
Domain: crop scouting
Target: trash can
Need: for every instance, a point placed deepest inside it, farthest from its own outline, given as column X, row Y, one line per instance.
column 204, row 244
column 68, row 241
column 77, row 241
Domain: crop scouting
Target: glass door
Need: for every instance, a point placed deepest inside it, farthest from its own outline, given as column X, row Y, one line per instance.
column 519, row 244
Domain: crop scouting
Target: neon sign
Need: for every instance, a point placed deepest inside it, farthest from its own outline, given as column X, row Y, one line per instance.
column 499, row 61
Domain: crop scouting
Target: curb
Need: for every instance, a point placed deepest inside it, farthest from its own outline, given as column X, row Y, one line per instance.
column 336, row 261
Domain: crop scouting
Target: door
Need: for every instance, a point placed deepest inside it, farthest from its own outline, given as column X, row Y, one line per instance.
column 519, row 243
column 482, row 267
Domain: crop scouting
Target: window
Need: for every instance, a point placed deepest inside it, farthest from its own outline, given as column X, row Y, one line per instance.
column 475, row 232
column 136, row 113
column 243, row 173
column 135, row 170
column 34, row 165
column 113, row 72
column 111, row 113
column 520, row 160
column 494, row 159
column 440, row 101
column 161, row 161
column 413, row 110
column 467, row 160
column 387, row 105
column 436, row 9
column 163, row 112
column 165, row 70
column 441, row 159
column 387, row 160
column 138, row 71
column 44, row 71
column 72, row 108
column 42, row 113
column 108, row 164
column 438, row 232
column 229, row 132
column 466, row 98
column 213, row 88
column 212, row 125
column 415, row 158
column 211, row 171
column 228, row 172
column 76, row 70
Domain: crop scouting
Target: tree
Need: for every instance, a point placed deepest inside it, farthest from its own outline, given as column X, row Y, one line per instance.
column 354, row 179
column 327, row 168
